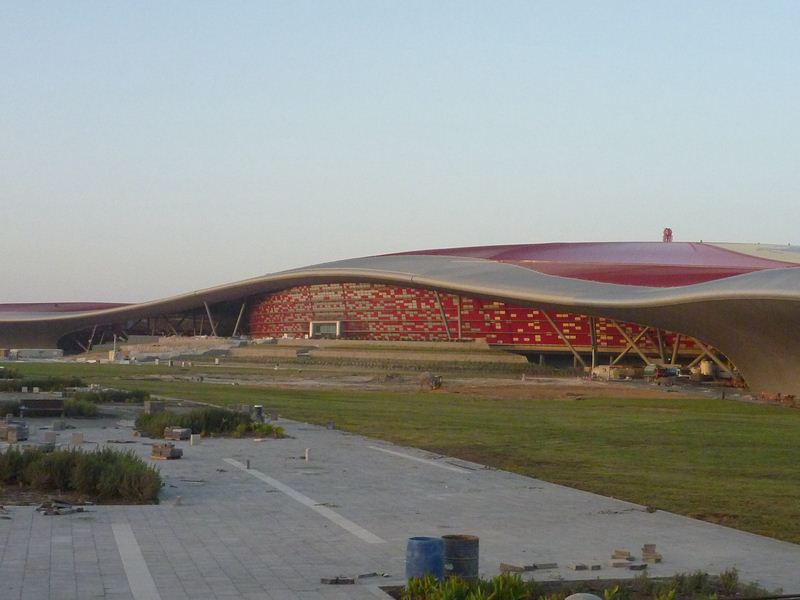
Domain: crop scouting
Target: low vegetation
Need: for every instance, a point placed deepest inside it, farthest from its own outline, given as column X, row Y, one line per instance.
column 112, row 396
column 79, row 408
column 45, row 384
column 209, row 421
column 9, row 407
column 722, row 461
column 258, row 430
column 6, row 373
column 694, row 586
column 102, row 475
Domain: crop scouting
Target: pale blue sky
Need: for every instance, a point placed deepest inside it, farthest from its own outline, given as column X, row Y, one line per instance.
column 150, row 148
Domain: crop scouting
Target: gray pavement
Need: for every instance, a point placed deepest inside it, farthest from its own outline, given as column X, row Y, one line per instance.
column 272, row 531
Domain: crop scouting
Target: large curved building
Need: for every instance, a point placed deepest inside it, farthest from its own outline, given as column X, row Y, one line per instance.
column 676, row 302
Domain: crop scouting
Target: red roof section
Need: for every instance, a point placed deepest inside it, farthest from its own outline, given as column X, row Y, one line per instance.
column 654, row 264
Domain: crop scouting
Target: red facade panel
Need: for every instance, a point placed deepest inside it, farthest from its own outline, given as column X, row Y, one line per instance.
column 380, row 312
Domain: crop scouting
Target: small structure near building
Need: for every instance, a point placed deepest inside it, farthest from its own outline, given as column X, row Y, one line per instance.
column 177, row 433
column 13, row 430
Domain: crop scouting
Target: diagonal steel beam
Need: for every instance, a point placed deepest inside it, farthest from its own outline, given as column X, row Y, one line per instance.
column 444, row 316
column 210, row 319
column 628, row 339
column 564, row 338
column 675, row 346
column 707, row 351
column 630, row 345
column 239, row 319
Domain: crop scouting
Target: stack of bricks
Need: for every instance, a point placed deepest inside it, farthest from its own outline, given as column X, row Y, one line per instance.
column 166, row 451
column 13, row 431
column 621, row 559
column 649, row 554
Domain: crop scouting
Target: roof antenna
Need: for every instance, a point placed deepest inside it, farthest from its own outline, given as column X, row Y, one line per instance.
column 667, row 237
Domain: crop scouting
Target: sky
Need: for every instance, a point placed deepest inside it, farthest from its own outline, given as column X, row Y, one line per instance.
column 149, row 148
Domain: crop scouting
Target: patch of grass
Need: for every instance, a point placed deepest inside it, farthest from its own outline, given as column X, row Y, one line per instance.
column 6, row 373
column 258, row 430
column 720, row 460
column 114, row 396
column 79, row 408
column 697, row 457
column 205, row 421
column 102, row 475
column 511, row 586
column 45, row 384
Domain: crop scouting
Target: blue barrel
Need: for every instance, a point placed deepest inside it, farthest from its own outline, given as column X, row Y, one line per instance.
column 425, row 556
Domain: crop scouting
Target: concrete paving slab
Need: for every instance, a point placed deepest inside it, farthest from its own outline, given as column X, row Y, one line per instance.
column 222, row 532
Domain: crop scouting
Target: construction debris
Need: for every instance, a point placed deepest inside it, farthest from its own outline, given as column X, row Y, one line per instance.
column 347, row 580
column 57, row 507
column 166, row 451
column 509, row 568
column 577, row 566
column 177, row 433
column 337, row 580
column 649, row 554
column 619, row 563
column 13, row 430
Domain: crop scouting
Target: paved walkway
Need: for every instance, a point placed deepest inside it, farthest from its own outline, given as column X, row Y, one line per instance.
column 273, row 530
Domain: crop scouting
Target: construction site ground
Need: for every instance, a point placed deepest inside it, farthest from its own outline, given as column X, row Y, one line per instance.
column 275, row 529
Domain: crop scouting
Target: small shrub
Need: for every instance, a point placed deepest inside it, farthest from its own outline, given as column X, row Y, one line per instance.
column 13, row 463
column 241, row 430
column 205, row 421
column 728, row 582
column 9, row 373
column 114, row 396
column 666, row 593
column 102, row 474
column 693, row 584
column 9, row 407
column 79, row 408
column 50, row 470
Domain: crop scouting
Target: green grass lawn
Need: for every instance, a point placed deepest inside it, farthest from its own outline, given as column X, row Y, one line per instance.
column 724, row 461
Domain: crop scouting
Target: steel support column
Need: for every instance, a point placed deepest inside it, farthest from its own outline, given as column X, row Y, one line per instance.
column 210, row 319
column 239, row 319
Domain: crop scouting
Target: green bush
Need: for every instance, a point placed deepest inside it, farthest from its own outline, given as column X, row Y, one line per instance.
column 114, row 396
column 79, row 408
column 258, row 430
column 102, row 475
column 45, row 384
column 205, row 421
column 9, row 407
column 8, row 373
column 14, row 462
column 511, row 586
